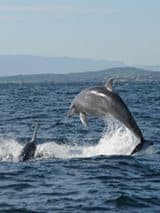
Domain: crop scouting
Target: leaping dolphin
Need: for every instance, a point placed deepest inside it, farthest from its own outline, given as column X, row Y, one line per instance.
column 103, row 101
column 29, row 149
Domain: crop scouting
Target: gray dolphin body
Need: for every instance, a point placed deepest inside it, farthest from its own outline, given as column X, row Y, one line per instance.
column 29, row 149
column 102, row 101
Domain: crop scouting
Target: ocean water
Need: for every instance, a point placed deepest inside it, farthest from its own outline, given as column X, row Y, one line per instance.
column 77, row 169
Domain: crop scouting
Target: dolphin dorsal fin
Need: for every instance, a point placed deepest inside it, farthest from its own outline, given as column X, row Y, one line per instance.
column 109, row 84
column 35, row 133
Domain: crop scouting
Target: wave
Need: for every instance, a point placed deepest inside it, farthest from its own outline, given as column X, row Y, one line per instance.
column 116, row 140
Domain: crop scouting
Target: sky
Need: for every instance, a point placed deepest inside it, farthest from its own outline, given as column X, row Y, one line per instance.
column 125, row 30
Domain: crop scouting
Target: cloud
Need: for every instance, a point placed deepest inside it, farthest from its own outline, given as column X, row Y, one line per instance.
column 57, row 9
column 98, row 10
column 19, row 12
column 10, row 18
column 36, row 8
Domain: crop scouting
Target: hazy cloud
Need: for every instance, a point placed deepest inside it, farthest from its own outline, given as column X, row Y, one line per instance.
column 36, row 8
column 98, row 10
column 11, row 18
column 61, row 9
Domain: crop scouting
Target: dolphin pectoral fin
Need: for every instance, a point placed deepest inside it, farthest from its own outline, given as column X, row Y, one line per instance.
column 83, row 119
column 109, row 84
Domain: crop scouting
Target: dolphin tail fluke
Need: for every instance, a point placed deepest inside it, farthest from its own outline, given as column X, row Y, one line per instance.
column 138, row 147
column 141, row 145
column 35, row 133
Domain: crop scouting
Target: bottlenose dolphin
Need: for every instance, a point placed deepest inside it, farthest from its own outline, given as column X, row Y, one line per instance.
column 101, row 102
column 29, row 149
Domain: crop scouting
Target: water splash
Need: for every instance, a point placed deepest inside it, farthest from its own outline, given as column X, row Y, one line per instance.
column 9, row 150
column 116, row 140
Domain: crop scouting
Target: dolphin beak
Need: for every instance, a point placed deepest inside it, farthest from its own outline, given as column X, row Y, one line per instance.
column 70, row 113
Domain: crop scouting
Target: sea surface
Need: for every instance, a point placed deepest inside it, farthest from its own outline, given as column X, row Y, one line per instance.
column 77, row 169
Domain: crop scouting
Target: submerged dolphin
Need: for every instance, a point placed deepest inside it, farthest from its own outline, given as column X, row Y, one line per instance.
column 29, row 149
column 103, row 101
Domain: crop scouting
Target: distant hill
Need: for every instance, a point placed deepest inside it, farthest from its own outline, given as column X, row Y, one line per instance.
column 122, row 73
column 151, row 67
column 27, row 64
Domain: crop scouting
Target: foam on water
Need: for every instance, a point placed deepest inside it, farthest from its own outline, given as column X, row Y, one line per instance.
column 115, row 140
column 9, row 149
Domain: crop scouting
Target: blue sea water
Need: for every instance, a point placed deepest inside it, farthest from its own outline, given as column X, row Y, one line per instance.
column 77, row 169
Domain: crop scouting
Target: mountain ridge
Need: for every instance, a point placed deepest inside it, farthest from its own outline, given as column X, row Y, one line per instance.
column 28, row 64
column 122, row 73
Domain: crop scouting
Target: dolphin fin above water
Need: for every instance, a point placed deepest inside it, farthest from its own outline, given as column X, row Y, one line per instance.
column 29, row 149
column 109, row 84
column 34, row 137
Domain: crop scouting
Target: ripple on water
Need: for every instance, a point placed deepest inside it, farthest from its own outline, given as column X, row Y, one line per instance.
column 75, row 169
